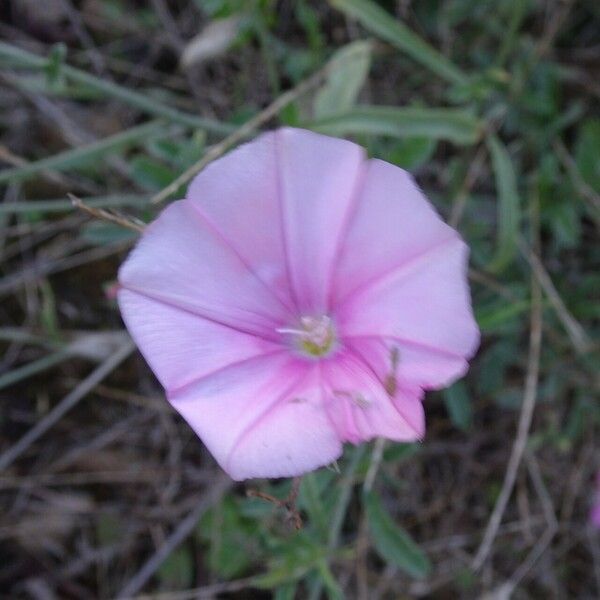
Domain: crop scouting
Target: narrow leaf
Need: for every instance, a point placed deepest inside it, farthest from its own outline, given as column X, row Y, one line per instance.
column 84, row 154
column 450, row 124
column 350, row 67
column 58, row 205
column 142, row 100
column 509, row 205
column 382, row 24
column 459, row 405
column 392, row 542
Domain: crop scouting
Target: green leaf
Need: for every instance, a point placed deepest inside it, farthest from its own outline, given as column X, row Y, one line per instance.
column 450, row 124
column 178, row 569
column 151, row 174
column 392, row 542
column 286, row 591
column 109, row 529
column 56, row 59
column 509, row 205
column 459, row 405
column 232, row 539
column 350, row 67
column 48, row 313
column 98, row 233
column 138, row 99
column 334, row 591
column 411, row 153
column 587, row 153
column 77, row 157
column 310, row 498
column 382, row 24
column 292, row 561
column 498, row 315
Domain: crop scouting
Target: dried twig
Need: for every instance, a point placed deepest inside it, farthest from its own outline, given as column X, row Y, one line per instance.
column 208, row 591
column 110, row 216
column 66, row 404
column 376, row 458
column 179, row 534
column 38, row 269
column 525, row 418
column 550, row 515
column 289, row 503
column 574, row 330
column 583, row 188
column 473, row 174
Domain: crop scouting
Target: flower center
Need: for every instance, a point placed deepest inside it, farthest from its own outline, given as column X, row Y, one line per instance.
column 315, row 336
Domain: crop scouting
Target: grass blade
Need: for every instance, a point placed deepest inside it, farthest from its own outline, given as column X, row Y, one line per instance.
column 454, row 125
column 459, row 405
column 382, row 24
column 392, row 542
column 76, row 156
column 509, row 205
column 345, row 80
column 33, row 368
column 58, row 205
column 18, row 57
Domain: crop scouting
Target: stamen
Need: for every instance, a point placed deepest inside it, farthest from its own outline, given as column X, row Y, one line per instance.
column 391, row 382
column 315, row 334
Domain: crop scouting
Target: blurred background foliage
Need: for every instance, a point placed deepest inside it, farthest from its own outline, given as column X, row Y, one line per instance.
column 492, row 105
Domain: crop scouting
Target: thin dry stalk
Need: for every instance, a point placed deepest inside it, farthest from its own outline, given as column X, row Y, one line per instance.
column 66, row 404
column 376, row 458
column 246, row 129
column 547, row 536
column 574, row 330
column 110, row 216
column 525, row 418
column 179, row 534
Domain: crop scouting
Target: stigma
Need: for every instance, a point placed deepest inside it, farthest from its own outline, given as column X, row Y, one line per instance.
column 315, row 336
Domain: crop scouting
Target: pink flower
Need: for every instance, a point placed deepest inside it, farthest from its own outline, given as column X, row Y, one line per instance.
column 301, row 296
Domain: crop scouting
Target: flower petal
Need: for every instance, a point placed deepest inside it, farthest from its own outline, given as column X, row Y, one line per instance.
column 182, row 347
column 262, row 418
column 361, row 408
column 425, row 366
column 319, row 176
column 238, row 195
column 183, row 263
column 391, row 224
column 425, row 302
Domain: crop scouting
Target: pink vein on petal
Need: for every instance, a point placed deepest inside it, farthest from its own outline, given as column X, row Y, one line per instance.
column 282, row 217
column 237, row 363
column 262, row 416
column 199, row 315
column 213, row 227
column 405, row 264
column 371, row 373
column 407, row 342
column 349, row 407
column 351, row 208
column 324, row 400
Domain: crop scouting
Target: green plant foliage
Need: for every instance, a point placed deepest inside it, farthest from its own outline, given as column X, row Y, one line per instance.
column 459, row 405
column 454, row 125
column 392, row 542
column 177, row 572
column 379, row 22
column 587, row 149
column 492, row 107
column 509, row 205
column 350, row 67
